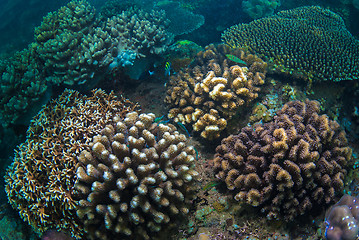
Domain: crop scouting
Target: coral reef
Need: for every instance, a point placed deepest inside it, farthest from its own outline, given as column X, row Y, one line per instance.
column 77, row 49
column 135, row 178
column 310, row 41
column 22, row 85
column 40, row 181
column 59, row 39
column 208, row 94
column 73, row 48
column 140, row 31
column 342, row 219
column 289, row 166
column 260, row 8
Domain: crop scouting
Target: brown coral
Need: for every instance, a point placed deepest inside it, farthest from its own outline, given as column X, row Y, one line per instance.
column 287, row 166
column 216, row 88
column 135, row 179
column 44, row 167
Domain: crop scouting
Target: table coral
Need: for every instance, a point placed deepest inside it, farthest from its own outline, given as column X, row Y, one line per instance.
column 135, row 178
column 208, row 94
column 289, row 166
column 40, row 181
column 311, row 41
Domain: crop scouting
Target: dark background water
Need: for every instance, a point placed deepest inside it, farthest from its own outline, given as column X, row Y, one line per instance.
column 18, row 18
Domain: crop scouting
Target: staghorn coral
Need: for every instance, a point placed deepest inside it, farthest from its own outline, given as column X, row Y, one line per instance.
column 260, row 8
column 286, row 167
column 135, row 178
column 210, row 93
column 22, row 85
column 310, row 41
column 40, row 181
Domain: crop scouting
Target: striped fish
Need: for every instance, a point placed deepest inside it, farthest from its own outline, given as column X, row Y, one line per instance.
column 235, row 59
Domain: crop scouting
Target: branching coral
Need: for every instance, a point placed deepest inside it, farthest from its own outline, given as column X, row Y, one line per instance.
column 135, row 178
column 22, row 84
column 210, row 93
column 140, row 31
column 311, row 41
column 78, row 49
column 40, row 181
column 288, row 166
column 59, row 39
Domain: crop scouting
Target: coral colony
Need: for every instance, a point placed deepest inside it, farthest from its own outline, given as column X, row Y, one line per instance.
column 94, row 165
column 297, row 40
column 209, row 94
column 288, row 166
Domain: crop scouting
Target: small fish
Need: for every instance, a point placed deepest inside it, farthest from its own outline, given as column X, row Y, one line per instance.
column 157, row 119
column 181, row 126
column 151, row 72
column 210, row 185
column 168, row 69
column 235, row 59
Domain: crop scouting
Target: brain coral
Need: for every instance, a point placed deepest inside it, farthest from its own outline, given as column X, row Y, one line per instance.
column 40, row 181
column 289, row 166
column 208, row 94
column 135, row 179
column 311, row 41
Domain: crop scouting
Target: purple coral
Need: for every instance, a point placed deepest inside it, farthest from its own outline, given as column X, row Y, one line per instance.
column 342, row 219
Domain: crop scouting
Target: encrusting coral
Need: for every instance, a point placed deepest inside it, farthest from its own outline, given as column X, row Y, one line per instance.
column 135, row 179
column 210, row 93
column 288, row 166
column 40, row 181
column 310, row 41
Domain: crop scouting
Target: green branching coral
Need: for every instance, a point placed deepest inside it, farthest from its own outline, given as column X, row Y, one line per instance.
column 59, row 39
column 311, row 41
column 22, row 84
